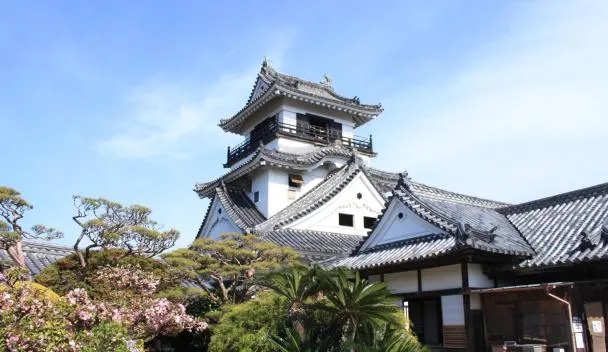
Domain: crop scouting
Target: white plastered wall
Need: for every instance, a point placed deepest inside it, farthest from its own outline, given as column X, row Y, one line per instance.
column 402, row 282
column 477, row 279
column 217, row 222
column 441, row 278
column 452, row 310
column 394, row 228
column 325, row 218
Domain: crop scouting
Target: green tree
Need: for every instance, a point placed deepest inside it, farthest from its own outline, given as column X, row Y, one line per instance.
column 247, row 327
column 12, row 210
column 225, row 268
column 106, row 224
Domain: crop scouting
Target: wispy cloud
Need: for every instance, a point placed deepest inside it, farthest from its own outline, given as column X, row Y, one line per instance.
column 163, row 116
column 526, row 115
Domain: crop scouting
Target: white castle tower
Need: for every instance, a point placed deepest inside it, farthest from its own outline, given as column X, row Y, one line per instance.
column 300, row 176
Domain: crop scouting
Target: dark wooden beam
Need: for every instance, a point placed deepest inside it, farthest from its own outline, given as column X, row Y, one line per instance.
column 419, row 280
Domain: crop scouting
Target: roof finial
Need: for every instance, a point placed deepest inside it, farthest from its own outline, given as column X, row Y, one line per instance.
column 326, row 79
column 266, row 62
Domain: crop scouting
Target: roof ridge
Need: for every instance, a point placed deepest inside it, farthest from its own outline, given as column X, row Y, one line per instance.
column 599, row 189
column 418, row 239
column 456, row 195
column 40, row 244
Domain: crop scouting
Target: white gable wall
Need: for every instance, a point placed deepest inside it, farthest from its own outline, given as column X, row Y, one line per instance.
column 393, row 228
column 217, row 222
column 325, row 218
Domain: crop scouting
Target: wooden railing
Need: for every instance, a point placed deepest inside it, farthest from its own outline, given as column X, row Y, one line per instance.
column 312, row 133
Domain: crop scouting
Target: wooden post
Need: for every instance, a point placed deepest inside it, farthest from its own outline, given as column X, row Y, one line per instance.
column 466, row 302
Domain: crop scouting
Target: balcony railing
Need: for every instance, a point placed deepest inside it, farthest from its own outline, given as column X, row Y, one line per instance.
column 315, row 134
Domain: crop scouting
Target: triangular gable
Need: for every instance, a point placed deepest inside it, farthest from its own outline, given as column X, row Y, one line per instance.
column 259, row 88
column 398, row 223
column 358, row 198
column 217, row 221
column 305, row 213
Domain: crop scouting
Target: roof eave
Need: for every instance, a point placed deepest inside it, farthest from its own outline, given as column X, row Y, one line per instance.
column 361, row 113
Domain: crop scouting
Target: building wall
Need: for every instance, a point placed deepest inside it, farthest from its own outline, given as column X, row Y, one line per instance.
column 260, row 182
column 325, row 218
column 477, row 278
column 442, row 278
column 217, row 222
column 452, row 310
column 291, row 108
column 402, row 282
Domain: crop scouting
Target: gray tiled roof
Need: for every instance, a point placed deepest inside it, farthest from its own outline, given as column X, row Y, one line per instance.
column 281, row 85
column 466, row 226
column 423, row 247
column 554, row 226
column 40, row 255
column 239, row 207
column 314, row 243
column 265, row 156
column 561, row 230
column 386, row 181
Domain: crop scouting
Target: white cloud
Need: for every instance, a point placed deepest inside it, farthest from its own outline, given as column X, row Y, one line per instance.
column 163, row 116
column 526, row 115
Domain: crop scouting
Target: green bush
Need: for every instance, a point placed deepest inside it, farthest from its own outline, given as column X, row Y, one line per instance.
column 66, row 274
column 247, row 327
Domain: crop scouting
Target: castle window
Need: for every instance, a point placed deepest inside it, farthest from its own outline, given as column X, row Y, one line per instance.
column 256, row 196
column 368, row 222
column 295, row 180
column 346, row 220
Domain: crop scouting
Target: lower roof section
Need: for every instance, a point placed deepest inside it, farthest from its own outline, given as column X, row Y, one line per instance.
column 314, row 244
column 40, row 255
column 414, row 249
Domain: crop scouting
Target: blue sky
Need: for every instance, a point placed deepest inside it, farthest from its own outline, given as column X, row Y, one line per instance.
column 501, row 99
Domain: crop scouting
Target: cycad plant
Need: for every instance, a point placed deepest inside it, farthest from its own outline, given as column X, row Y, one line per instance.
column 359, row 305
column 336, row 311
column 297, row 285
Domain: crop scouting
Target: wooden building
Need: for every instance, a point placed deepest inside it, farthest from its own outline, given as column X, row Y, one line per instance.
column 478, row 275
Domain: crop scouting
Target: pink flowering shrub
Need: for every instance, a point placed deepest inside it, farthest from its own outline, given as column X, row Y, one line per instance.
column 29, row 321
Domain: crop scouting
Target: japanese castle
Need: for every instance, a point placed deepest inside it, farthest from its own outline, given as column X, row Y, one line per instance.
column 470, row 273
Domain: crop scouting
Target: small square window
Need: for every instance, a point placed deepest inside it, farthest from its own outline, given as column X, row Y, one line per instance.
column 345, row 220
column 368, row 222
column 256, row 196
column 296, row 180
column 291, row 194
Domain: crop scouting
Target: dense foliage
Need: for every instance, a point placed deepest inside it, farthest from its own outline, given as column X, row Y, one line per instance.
column 67, row 274
column 246, row 327
column 33, row 319
column 226, row 268
column 337, row 310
